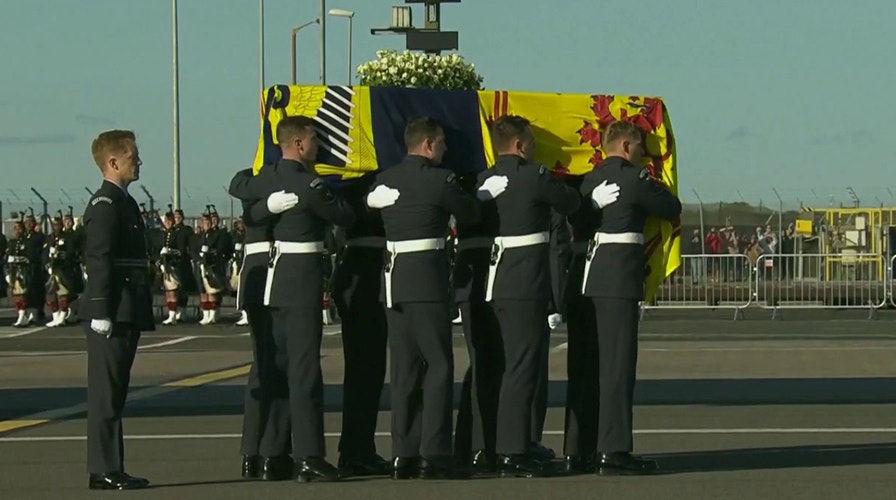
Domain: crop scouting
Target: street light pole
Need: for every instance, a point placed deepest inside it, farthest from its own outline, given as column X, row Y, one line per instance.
column 350, row 16
column 295, row 32
column 261, row 44
column 322, row 15
column 176, row 113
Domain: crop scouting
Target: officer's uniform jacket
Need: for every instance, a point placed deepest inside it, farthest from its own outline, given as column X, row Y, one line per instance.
column 429, row 196
column 524, row 210
column 617, row 268
column 295, row 269
column 117, row 264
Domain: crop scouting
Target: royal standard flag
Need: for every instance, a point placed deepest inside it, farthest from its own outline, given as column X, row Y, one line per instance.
column 362, row 129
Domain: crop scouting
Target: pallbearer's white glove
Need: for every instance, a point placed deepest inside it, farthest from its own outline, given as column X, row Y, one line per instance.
column 554, row 320
column 281, row 201
column 492, row 188
column 383, row 196
column 605, row 194
column 101, row 326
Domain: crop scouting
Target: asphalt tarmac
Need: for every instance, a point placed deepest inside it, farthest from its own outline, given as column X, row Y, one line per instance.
column 800, row 407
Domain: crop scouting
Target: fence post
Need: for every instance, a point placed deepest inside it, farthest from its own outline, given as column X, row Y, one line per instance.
column 44, row 217
column 152, row 201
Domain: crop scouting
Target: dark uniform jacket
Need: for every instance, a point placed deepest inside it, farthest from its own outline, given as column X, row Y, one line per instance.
column 618, row 270
column 257, row 221
column 525, row 208
column 470, row 271
column 298, row 278
column 117, row 282
column 429, row 196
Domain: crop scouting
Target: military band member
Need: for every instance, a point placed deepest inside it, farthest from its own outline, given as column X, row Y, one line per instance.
column 63, row 266
column 210, row 256
column 117, row 305
column 356, row 284
column 174, row 260
column 477, row 420
column 238, row 240
column 35, row 295
column 18, row 274
column 416, row 199
column 614, row 280
column 4, row 247
column 519, row 283
column 294, row 285
column 266, row 441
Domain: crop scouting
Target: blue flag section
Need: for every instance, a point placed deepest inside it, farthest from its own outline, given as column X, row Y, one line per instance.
column 458, row 111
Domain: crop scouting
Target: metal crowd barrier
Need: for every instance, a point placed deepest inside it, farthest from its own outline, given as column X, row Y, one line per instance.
column 723, row 281
column 780, row 281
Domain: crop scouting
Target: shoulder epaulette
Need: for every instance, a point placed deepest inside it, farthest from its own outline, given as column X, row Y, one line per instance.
column 103, row 199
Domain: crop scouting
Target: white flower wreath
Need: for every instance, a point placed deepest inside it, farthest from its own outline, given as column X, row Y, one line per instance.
column 418, row 70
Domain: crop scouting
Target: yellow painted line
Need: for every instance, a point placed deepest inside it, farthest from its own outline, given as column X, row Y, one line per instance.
column 14, row 425
column 50, row 416
column 209, row 378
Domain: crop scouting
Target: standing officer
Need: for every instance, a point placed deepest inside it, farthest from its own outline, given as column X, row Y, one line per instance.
column 116, row 306
column 294, row 284
column 266, row 442
column 417, row 199
column 477, row 417
column 357, row 283
column 614, row 280
column 580, row 437
column 519, row 283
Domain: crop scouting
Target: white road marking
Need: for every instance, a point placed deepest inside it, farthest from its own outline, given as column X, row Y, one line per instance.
column 23, row 332
column 178, row 437
column 168, row 342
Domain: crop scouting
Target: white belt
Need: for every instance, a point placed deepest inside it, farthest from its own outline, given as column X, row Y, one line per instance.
column 503, row 243
column 471, row 243
column 407, row 246
column 366, row 242
column 608, row 238
column 257, row 247
column 286, row 247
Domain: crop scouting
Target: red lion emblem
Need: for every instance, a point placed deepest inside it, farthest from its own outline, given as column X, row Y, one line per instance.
column 648, row 115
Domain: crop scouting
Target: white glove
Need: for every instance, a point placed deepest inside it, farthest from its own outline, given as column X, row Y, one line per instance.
column 164, row 251
column 101, row 326
column 605, row 194
column 10, row 259
column 238, row 247
column 554, row 320
column 383, row 196
column 281, row 201
column 52, row 251
column 492, row 188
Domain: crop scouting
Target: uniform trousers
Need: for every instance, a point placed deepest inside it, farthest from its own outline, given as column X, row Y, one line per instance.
column 478, row 415
column 109, row 362
column 617, row 344
column 522, row 333
column 421, row 378
column 297, row 335
column 582, row 371
column 364, row 337
column 266, row 426
column 540, row 400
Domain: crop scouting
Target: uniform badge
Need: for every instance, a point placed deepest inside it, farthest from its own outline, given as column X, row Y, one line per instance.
column 452, row 177
column 103, row 199
column 644, row 174
column 316, row 183
column 542, row 170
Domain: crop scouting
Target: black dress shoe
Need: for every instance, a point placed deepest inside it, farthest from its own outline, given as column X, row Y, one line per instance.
column 624, row 464
column 406, row 468
column 541, row 452
column 316, row 469
column 442, row 468
column 251, row 466
column 277, row 468
column 523, row 466
column 116, row 481
column 484, row 462
column 580, row 464
column 373, row 465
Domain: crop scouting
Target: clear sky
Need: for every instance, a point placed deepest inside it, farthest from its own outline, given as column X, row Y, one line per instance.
column 794, row 94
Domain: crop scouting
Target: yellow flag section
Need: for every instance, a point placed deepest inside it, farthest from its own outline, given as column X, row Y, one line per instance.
column 568, row 130
column 361, row 130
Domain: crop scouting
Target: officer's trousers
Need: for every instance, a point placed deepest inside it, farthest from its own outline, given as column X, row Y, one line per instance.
column 266, row 426
column 522, row 333
column 617, row 342
column 582, row 371
column 540, row 399
column 478, row 415
column 364, row 337
column 109, row 362
column 297, row 334
column 421, row 378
